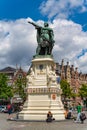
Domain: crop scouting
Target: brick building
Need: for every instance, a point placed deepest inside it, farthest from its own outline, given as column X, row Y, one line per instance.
column 71, row 74
column 10, row 72
column 13, row 74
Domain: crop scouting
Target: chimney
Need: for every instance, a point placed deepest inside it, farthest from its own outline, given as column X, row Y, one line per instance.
column 67, row 63
column 62, row 63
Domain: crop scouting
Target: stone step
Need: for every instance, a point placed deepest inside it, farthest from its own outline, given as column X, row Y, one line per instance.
column 40, row 116
column 43, row 108
column 42, row 112
column 44, row 102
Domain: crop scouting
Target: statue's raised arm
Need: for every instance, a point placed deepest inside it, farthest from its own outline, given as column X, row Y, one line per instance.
column 34, row 24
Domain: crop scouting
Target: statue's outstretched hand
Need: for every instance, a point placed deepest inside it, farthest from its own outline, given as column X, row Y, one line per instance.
column 29, row 22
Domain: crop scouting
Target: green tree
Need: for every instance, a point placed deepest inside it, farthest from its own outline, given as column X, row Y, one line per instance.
column 20, row 85
column 5, row 90
column 83, row 90
column 74, row 95
column 66, row 90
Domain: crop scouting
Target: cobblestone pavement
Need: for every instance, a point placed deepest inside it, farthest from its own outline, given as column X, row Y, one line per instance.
column 61, row 125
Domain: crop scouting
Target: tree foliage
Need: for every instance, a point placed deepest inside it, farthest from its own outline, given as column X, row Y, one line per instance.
column 66, row 90
column 83, row 90
column 5, row 90
column 20, row 85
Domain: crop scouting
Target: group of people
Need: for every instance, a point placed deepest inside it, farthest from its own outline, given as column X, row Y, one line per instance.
column 11, row 108
column 80, row 114
column 68, row 114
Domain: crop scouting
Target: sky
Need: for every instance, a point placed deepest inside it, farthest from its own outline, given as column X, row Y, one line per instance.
column 67, row 18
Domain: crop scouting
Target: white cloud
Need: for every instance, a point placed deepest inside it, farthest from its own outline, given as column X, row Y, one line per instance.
column 62, row 8
column 82, row 63
column 18, row 43
column 71, row 39
column 17, row 46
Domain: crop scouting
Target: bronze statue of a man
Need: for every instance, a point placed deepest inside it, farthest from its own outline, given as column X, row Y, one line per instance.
column 45, row 39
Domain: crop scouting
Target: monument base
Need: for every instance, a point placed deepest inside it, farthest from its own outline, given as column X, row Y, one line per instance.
column 43, row 92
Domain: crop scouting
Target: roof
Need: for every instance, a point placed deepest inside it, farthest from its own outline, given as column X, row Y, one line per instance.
column 7, row 70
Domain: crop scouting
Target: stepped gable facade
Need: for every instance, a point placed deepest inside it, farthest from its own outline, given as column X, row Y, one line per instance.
column 71, row 74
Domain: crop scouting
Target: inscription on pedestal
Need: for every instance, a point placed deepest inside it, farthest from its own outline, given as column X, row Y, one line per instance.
column 43, row 90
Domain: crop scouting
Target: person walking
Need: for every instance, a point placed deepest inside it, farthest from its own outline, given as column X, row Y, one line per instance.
column 79, row 109
column 9, row 108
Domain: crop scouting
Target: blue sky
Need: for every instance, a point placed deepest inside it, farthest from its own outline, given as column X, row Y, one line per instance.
column 68, row 18
column 15, row 9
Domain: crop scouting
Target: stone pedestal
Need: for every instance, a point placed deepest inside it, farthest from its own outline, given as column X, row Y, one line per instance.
column 43, row 92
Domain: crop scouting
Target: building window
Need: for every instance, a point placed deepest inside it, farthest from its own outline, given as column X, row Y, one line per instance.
column 9, row 77
column 74, row 90
column 20, row 76
column 9, row 83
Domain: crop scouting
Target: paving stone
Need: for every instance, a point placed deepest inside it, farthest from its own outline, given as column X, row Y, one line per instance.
column 21, row 125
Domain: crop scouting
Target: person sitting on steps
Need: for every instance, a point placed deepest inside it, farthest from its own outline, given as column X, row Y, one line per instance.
column 49, row 117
